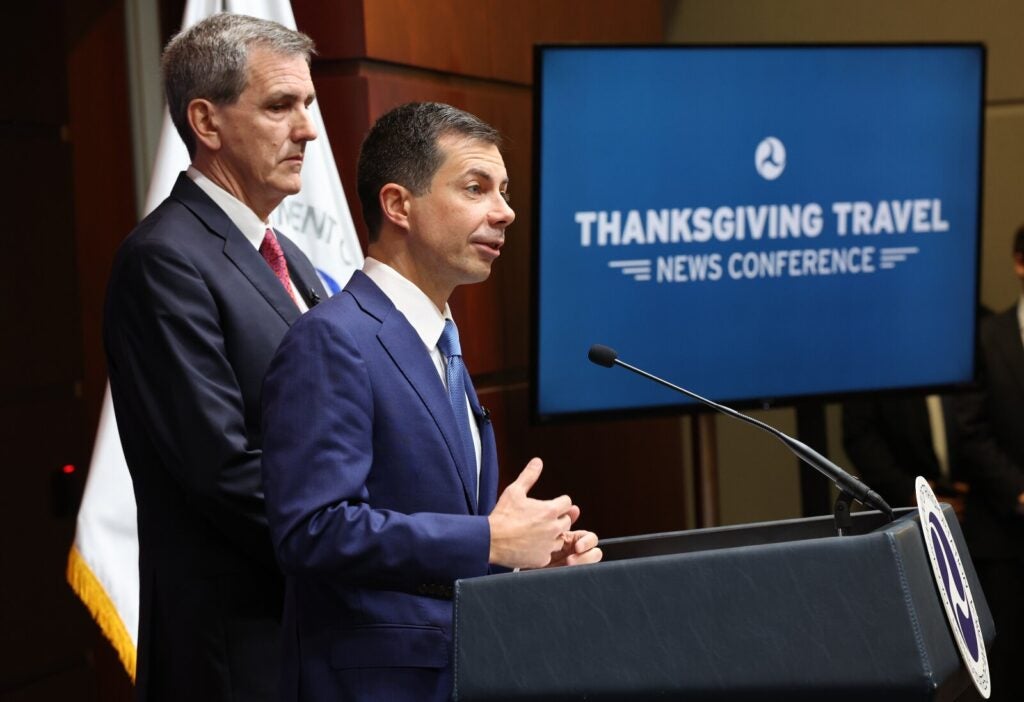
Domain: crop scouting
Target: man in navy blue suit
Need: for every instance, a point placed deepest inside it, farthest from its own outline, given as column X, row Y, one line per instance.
column 200, row 295
column 381, row 480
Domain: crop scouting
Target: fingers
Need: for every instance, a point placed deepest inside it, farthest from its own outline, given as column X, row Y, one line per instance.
column 529, row 475
column 574, row 514
column 583, row 541
column 566, row 518
column 577, row 548
column 593, row 555
column 562, row 505
column 534, row 533
column 579, row 541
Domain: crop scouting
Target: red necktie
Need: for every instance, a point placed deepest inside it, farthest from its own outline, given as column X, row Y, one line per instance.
column 274, row 256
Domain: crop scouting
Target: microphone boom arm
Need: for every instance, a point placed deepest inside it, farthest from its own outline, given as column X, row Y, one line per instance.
column 845, row 482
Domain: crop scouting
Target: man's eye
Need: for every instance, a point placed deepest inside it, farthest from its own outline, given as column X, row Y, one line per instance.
column 475, row 189
column 506, row 196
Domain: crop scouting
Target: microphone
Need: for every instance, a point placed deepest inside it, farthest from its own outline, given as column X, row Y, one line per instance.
column 607, row 357
column 603, row 355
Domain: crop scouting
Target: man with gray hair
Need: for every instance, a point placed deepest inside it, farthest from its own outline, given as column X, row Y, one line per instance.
column 200, row 294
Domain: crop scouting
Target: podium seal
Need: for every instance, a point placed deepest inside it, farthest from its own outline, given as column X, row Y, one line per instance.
column 951, row 581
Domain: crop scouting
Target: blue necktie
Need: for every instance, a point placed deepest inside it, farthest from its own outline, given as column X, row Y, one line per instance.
column 455, row 374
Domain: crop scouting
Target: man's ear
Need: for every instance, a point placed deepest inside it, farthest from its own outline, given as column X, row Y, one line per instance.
column 205, row 123
column 1018, row 265
column 394, row 204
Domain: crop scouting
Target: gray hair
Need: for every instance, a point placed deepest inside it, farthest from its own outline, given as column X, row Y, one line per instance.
column 209, row 60
column 402, row 147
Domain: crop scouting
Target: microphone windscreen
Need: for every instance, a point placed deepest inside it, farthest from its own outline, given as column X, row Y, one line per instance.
column 602, row 355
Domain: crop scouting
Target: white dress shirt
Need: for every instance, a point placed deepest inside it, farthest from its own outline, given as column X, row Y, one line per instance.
column 242, row 217
column 1020, row 317
column 426, row 320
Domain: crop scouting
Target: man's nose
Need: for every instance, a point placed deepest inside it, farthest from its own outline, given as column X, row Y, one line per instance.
column 304, row 128
column 502, row 214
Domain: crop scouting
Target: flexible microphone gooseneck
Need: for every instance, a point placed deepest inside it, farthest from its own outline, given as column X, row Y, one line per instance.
column 607, row 357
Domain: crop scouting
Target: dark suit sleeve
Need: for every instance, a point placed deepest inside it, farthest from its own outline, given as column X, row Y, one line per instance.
column 321, row 404
column 166, row 345
column 868, row 446
column 987, row 467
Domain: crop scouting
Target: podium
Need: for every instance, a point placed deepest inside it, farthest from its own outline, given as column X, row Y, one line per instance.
column 774, row 611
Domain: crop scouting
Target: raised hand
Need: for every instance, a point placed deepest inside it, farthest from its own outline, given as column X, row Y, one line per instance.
column 526, row 533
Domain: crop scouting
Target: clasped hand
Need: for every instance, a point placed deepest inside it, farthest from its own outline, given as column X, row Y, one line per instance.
column 530, row 533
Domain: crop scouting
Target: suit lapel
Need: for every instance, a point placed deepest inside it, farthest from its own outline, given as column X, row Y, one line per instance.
column 488, row 454
column 237, row 248
column 306, row 281
column 1007, row 338
column 248, row 260
column 406, row 349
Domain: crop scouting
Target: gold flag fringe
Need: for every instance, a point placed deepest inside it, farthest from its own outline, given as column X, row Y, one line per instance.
column 91, row 592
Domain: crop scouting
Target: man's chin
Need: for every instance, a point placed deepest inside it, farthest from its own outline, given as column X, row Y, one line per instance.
column 479, row 274
column 289, row 186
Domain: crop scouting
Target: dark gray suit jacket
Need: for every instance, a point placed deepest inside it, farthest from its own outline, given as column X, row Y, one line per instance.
column 193, row 316
column 991, row 422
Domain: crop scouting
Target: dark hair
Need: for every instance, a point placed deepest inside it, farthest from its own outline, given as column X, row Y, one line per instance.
column 210, row 60
column 1018, row 242
column 402, row 147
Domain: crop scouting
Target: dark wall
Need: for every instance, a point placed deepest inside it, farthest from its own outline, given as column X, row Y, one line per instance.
column 65, row 130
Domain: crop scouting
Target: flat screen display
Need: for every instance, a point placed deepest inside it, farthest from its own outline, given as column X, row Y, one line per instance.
column 756, row 223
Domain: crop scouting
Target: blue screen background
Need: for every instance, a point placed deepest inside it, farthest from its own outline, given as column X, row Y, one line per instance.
column 674, row 127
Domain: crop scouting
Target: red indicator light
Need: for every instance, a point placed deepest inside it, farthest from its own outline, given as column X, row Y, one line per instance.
column 68, row 469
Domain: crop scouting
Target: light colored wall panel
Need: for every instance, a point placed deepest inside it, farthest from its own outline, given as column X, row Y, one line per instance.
column 997, row 23
column 1003, row 209
column 758, row 477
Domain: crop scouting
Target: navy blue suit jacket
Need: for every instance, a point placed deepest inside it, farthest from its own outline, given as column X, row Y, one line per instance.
column 193, row 316
column 365, row 478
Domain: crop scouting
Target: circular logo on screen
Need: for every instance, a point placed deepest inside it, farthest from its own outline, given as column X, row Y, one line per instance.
column 770, row 158
column 952, row 583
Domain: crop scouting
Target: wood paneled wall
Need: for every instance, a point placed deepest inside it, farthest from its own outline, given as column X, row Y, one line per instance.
column 69, row 188
column 478, row 56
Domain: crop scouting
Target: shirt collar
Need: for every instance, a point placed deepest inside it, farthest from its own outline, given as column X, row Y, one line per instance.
column 237, row 211
column 412, row 302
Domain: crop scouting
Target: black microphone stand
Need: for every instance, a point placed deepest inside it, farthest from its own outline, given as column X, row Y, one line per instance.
column 850, row 488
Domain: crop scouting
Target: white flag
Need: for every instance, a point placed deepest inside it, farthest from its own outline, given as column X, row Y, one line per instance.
column 103, row 566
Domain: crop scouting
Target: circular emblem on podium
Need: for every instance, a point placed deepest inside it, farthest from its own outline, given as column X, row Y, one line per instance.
column 951, row 581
